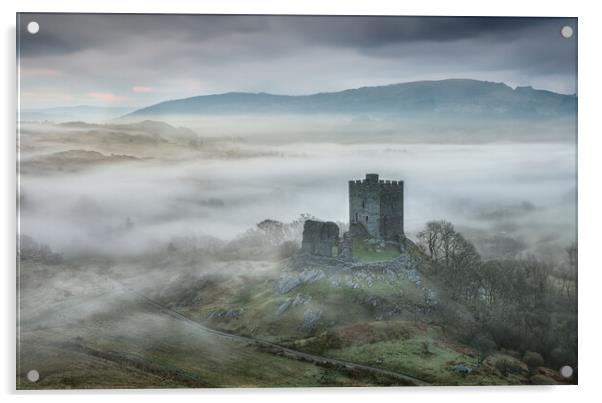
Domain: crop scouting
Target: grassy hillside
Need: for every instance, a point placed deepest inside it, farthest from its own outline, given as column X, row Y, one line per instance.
column 85, row 333
column 152, row 322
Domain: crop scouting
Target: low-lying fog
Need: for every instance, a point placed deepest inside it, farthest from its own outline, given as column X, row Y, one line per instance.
column 525, row 192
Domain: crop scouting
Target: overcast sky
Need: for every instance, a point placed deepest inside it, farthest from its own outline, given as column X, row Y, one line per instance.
column 138, row 60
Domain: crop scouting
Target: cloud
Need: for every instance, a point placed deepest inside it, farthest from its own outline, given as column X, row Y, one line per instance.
column 348, row 31
column 47, row 95
column 142, row 89
column 106, row 96
column 39, row 72
column 291, row 54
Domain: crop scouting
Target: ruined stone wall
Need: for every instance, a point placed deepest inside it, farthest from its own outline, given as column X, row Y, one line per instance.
column 320, row 238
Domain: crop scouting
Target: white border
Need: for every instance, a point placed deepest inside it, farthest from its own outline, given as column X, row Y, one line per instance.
column 590, row 204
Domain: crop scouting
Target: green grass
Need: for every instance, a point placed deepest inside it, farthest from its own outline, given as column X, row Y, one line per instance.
column 102, row 338
column 404, row 356
column 408, row 355
column 368, row 253
column 129, row 344
column 338, row 305
column 168, row 354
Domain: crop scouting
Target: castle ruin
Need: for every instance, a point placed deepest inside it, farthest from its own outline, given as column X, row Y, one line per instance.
column 320, row 238
column 376, row 208
column 375, row 211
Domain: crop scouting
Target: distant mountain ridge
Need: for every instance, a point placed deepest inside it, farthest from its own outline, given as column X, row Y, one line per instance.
column 451, row 96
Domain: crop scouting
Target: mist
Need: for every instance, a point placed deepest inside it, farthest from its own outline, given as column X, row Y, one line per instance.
column 221, row 187
column 137, row 239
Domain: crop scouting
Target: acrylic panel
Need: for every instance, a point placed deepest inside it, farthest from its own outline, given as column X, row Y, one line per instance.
column 295, row 201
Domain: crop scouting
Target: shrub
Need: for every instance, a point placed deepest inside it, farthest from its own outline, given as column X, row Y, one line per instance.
column 425, row 348
column 484, row 345
column 506, row 366
column 533, row 359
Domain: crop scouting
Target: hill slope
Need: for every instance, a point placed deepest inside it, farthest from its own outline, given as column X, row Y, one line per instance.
column 452, row 96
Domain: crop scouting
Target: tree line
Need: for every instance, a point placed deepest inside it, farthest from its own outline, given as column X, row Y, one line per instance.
column 523, row 305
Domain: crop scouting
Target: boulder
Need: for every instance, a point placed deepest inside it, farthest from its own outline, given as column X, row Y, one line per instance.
column 286, row 283
column 461, row 369
column 283, row 307
column 310, row 318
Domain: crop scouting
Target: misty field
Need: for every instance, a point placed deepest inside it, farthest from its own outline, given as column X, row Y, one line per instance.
column 125, row 226
column 133, row 186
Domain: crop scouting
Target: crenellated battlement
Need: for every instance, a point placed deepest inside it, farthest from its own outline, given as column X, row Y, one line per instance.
column 371, row 183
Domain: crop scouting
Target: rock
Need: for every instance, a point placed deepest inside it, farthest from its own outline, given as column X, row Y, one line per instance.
column 302, row 262
column 230, row 313
column 286, row 283
column 310, row 276
column 461, row 369
column 430, row 298
column 234, row 313
column 283, row 307
column 301, row 299
column 310, row 318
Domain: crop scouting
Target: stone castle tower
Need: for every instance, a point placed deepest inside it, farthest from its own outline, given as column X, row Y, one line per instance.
column 376, row 208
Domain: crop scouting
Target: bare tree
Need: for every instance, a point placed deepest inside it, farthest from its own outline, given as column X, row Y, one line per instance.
column 436, row 240
column 454, row 258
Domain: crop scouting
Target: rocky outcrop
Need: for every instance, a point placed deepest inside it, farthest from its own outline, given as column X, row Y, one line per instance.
column 310, row 319
column 300, row 299
column 226, row 314
column 289, row 281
